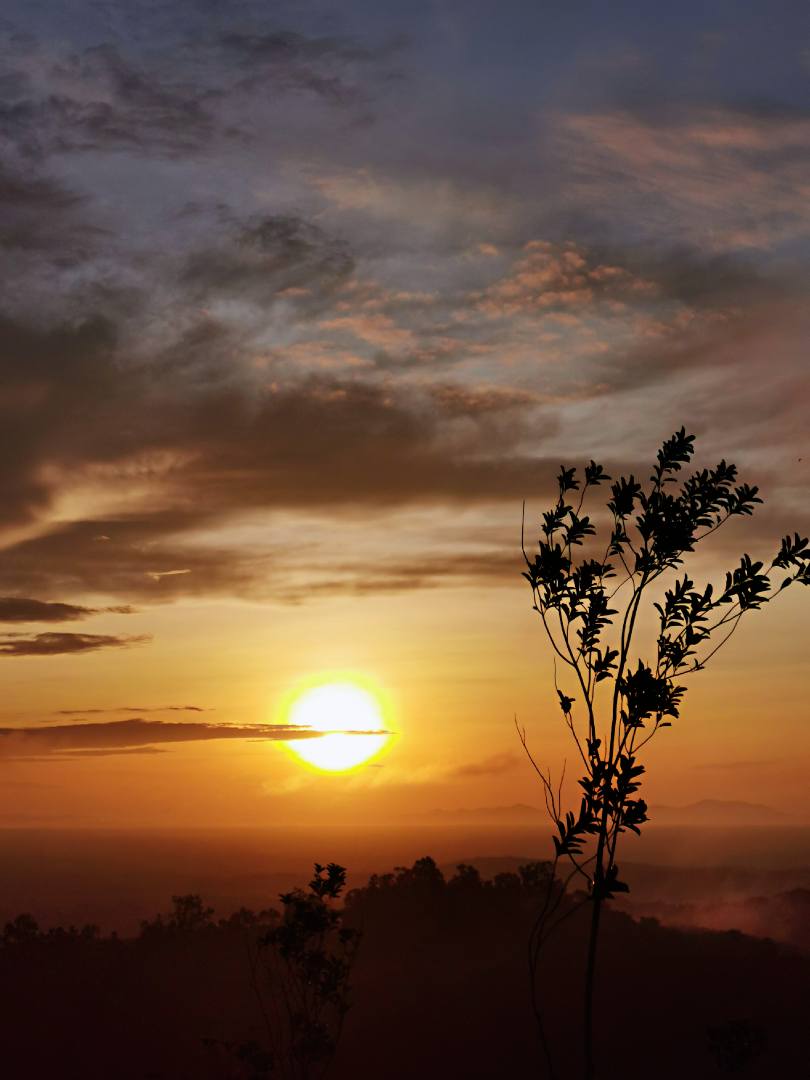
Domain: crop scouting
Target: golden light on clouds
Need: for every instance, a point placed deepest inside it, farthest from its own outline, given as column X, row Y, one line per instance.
column 349, row 713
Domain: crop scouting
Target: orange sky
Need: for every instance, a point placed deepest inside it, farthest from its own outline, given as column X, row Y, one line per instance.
column 455, row 663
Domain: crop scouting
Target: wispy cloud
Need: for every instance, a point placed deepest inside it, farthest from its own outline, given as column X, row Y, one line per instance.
column 55, row 644
column 139, row 709
column 734, row 177
column 127, row 735
column 23, row 609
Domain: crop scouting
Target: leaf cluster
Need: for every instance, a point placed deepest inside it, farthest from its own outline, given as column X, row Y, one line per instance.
column 588, row 596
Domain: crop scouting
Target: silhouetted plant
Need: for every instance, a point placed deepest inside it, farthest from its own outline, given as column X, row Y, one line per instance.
column 591, row 628
column 188, row 916
column 22, row 930
column 301, row 971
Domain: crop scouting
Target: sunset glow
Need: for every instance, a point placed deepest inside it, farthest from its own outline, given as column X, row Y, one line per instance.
column 337, row 707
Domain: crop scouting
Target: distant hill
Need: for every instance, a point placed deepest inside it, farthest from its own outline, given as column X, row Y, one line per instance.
column 717, row 812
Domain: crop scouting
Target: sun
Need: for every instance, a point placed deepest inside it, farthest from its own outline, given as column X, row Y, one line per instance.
column 334, row 708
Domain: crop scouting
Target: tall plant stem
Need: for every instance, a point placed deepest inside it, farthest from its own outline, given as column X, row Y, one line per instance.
column 590, row 971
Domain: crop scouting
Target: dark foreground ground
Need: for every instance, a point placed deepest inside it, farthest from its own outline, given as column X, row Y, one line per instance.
column 440, row 990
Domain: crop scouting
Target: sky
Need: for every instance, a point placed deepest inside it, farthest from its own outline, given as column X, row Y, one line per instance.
column 301, row 301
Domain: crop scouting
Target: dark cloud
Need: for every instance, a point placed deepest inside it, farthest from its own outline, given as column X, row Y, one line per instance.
column 268, row 256
column 409, row 362
column 100, row 99
column 696, row 278
column 35, row 211
column 310, row 443
column 53, row 644
column 72, row 557
column 134, row 557
column 49, row 377
column 175, row 101
column 125, row 735
column 327, row 67
column 213, row 448
column 125, row 108
column 326, row 441
column 469, row 401
column 219, row 449
column 135, row 106
column 24, row 609
column 499, row 566
column 284, row 46
column 21, row 609
column 225, row 445
column 133, row 709
column 138, row 750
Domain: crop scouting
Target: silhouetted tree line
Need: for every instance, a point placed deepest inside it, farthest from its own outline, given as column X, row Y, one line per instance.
column 414, row 974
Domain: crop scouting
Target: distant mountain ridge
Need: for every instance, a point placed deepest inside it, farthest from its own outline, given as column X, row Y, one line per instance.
column 718, row 812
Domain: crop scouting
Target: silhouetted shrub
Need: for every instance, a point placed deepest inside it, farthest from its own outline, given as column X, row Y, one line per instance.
column 653, row 525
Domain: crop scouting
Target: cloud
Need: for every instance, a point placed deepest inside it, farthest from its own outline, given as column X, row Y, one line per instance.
column 37, row 213
column 463, row 568
column 116, row 751
column 117, row 735
column 303, row 441
column 300, row 313
column 302, row 445
column 195, row 446
column 327, row 67
column 269, row 256
column 24, row 609
column 550, row 277
column 178, row 97
column 306, row 443
column 134, row 561
column 226, row 448
column 53, row 644
column 21, row 609
column 43, row 414
column 728, row 178
column 496, row 765
column 99, row 99
column 133, row 709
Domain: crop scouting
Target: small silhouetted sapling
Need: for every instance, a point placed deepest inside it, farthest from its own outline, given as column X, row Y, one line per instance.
column 301, row 971
column 613, row 701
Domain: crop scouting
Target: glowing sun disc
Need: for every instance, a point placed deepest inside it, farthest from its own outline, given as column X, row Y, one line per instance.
column 335, row 708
